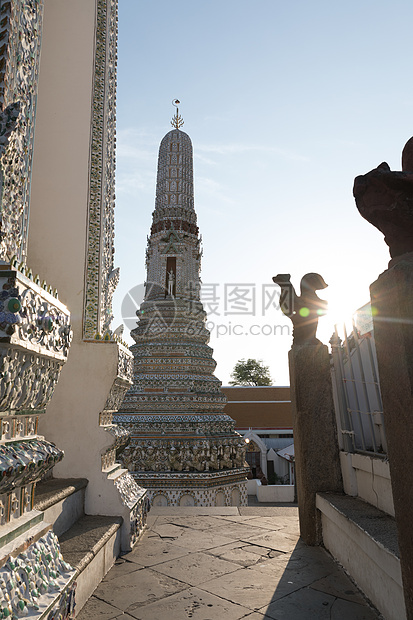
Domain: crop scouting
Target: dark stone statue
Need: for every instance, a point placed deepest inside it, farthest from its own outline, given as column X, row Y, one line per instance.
column 385, row 199
column 304, row 311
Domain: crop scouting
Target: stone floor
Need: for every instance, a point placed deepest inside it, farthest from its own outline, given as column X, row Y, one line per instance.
column 226, row 563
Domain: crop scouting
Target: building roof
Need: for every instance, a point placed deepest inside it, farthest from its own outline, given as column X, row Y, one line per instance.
column 261, row 407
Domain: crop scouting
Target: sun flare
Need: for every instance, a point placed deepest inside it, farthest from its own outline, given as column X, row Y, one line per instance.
column 341, row 310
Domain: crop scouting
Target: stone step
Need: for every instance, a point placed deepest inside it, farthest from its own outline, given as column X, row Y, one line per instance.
column 114, row 471
column 20, row 527
column 61, row 500
column 91, row 546
column 364, row 540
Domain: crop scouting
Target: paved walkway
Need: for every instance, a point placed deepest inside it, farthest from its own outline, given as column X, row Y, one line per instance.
column 226, row 564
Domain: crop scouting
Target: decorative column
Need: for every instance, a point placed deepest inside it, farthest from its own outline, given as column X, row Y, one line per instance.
column 35, row 335
column 74, row 193
column 315, row 430
column 385, row 199
column 34, row 340
column 21, row 24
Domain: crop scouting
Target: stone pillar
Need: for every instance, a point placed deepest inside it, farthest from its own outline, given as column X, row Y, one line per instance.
column 392, row 300
column 35, row 335
column 73, row 194
column 315, row 433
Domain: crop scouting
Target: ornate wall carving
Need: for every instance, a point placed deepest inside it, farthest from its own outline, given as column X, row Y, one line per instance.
column 120, row 385
column 116, row 395
column 184, row 455
column 129, row 490
column 101, row 276
column 20, row 36
column 27, row 380
column 24, row 462
column 192, row 424
column 120, row 435
column 30, row 315
column 29, row 583
column 35, row 338
column 225, row 495
column 125, row 365
column 135, row 498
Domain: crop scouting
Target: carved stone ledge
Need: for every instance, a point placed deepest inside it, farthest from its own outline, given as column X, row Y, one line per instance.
column 35, row 336
column 181, row 455
column 23, row 462
column 121, row 384
column 190, row 424
column 116, row 395
column 17, row 427
column 120, row 435
column 32, row 318
column 136, row 499
column 108, row 459
column 190, row 479
column 125, row 363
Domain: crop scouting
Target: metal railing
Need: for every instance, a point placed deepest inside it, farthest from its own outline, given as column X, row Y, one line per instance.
column 357, row 393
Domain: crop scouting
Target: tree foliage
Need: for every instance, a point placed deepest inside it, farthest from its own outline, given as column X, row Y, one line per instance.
column 250, row 372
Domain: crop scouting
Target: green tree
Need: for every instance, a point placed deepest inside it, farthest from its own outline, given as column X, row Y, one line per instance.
column 250, row 372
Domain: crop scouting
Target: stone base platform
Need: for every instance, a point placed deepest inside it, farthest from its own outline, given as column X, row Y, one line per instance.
column 364, row 540
column 62, row 501
column 227, row 563
column 91, row 546
column 215, row 488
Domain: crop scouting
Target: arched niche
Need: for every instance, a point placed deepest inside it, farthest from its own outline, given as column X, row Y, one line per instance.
column 257, row 446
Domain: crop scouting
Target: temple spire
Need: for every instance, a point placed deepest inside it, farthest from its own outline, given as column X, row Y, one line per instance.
column 177, row 121
column 184, row 447
column 175, row 185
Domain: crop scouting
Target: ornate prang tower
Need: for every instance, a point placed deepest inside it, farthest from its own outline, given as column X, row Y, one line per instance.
column 184, row 449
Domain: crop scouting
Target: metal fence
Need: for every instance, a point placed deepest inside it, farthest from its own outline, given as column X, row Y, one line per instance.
column 357, row 393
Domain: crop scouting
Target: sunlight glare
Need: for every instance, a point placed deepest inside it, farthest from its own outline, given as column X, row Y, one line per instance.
column 341, row 308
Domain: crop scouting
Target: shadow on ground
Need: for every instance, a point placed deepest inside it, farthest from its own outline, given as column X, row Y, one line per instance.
column 232, row 563
column 312, row 585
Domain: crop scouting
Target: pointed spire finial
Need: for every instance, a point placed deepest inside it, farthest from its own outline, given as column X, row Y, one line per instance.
column 177, row 121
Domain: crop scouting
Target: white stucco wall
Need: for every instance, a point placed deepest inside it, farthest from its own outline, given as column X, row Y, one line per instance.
column 374, row 568
column 58, row 235
column 60, row 183
column 270, row 492
column 368, row 478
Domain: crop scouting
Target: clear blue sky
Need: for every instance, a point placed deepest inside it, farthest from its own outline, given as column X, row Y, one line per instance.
column 285, row 103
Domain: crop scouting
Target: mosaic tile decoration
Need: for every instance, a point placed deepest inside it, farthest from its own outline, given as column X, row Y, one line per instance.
column 174, row 410
column 37, row 580
column 20, row 34
column 101, row 275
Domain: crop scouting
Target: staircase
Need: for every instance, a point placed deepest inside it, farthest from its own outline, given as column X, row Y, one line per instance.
column 89, row 543
column 363, row 539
